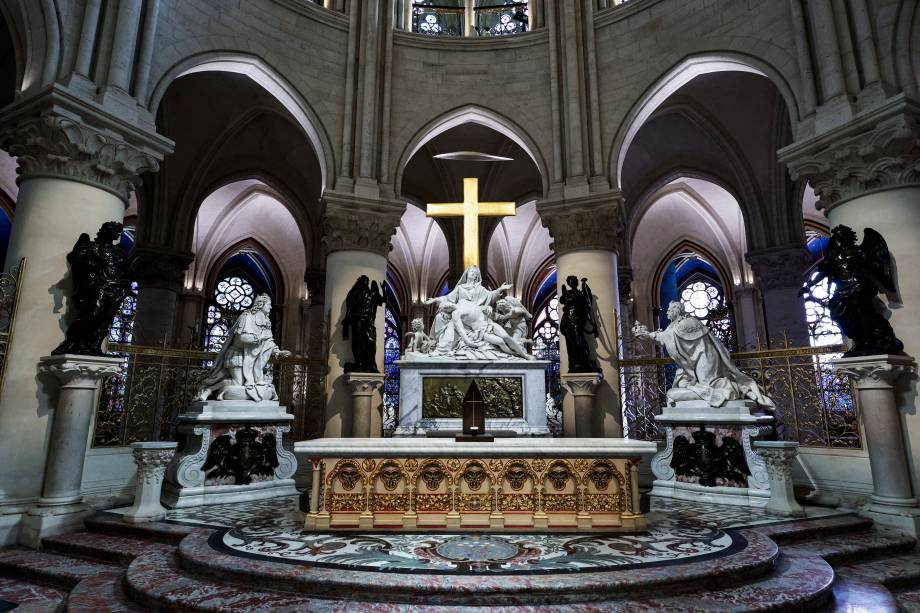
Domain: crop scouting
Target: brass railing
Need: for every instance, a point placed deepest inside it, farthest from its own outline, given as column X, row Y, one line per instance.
column 156, row 384
column 815, row 406
column 10, row 286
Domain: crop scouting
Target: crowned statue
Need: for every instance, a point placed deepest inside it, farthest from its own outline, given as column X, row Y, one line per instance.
column 241, row 369
column 470, row 324
column 705, row 370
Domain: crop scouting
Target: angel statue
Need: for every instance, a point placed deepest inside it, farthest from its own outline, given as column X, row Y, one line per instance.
column 241, row 370
column 465, row 326
column 100, row 284
column 858, row 273
column 513, row 316
column 359, row 324
column 576, row 322
column 705, row 370
column 416, row 339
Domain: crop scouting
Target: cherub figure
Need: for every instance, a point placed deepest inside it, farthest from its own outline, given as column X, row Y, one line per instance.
column 416, row 339
column 510, row 312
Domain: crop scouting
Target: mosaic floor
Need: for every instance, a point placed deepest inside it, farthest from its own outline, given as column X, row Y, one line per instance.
column 678, row 532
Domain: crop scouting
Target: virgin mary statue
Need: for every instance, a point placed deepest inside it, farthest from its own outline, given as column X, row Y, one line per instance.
column 464, row 326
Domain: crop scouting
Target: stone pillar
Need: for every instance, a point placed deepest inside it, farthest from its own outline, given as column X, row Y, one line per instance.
column 583, row 388
column 585, row 235
column 190, row 320
column 61, row 508
column 356, row 238
column 75, row 173
column 159, row 273
column 151, row 458
column 780, row 273
column 893, row 502
column 778, row 457
column 364, row 388
column 865, row 176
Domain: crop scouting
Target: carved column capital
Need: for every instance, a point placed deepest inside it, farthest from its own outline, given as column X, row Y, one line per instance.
column 581, row 384
column 581, row 224
column 159, row 267
column 363, row 384
column 57, row 135
column 779, row 266
column 352, row 223
column 152, row 458
column 79, row 371
column 778, row 457
column 875, row 371
column 875, row 152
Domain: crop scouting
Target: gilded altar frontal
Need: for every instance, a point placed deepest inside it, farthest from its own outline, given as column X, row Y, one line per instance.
column 442, row 397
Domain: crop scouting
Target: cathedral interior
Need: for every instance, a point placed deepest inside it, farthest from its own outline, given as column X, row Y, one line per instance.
column 748, row 168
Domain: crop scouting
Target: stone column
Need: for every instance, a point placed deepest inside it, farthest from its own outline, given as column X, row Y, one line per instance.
column 159, row 272
column 583, row 388
column 356, row 238
column 585, row 235
column 75, row 172
column 151, row 458
column 893, row 502
column 778, row 457
column 865, row 176
column 61, row 508
column 190, row 320
column 780, row 273
column 364, row 388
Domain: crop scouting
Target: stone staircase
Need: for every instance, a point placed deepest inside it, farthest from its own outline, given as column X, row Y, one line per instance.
column 828, row 564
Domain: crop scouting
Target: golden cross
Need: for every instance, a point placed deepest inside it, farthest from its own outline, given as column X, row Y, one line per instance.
column 471, row 210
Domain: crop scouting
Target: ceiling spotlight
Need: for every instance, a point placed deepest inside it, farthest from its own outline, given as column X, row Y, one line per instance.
column 472, row 156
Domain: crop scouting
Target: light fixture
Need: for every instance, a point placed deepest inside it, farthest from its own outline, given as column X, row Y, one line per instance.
column 472, row 156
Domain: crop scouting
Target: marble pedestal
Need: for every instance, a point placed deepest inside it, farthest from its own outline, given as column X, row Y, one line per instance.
column 151, row 458
column 778, row 457
column 204, row 471
column 583, row 388
column 408, row 484
column 530, row 419
column 893, row 502
column 362, row 387
column 60, row 508
column 739, row 420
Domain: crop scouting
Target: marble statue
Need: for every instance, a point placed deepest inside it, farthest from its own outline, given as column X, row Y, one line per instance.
column 359, row 324
column 514, row 317
column 576, row 322
column 100, row 284
column 416, row 339
column 467, row 325
column 859, row 273
column 241, row 369
column 705, row 371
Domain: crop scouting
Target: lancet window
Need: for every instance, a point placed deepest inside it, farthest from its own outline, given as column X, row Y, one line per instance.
column 545, row 326
column 392, row 333
column 470, row 17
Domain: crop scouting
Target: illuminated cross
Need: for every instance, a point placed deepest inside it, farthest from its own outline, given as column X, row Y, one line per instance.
column 471, row 210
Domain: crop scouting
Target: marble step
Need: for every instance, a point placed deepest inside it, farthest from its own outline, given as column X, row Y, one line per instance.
column 106, row 548
column 819, row 527
column 893, row 571
column 198, row 556
column 156, row 581
column 847, row 548
column 29, row 596
column 102, row 594
column 854, row 595
column 56, row 570
column 111, row 523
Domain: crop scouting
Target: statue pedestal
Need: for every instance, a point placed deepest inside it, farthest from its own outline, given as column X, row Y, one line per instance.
column 893, row 502
column 779, row 456
column 151, row 458
column 583, row 387
column 230, row 451
column 431, row 392
column 738, row 420
column 362, row 387
column 60, row 508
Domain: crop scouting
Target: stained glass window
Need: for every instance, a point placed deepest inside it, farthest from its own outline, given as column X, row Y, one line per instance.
column 704, row 300
column 546, row 347
column 391, row 348
column 122, row 328
column 442, row 18
column 500, row 17
column 231, row 294
column 822, row 330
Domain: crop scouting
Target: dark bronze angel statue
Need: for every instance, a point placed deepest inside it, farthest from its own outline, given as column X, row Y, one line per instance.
column 576, row 323
column 360, row 314
column 859, row 273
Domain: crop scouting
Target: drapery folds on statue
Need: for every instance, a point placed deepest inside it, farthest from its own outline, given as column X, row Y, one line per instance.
column 359, row 324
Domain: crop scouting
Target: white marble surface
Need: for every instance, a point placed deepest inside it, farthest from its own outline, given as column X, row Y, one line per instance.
column 412, row 373
column 235, row 411
column 447, row 447
column 699, row 412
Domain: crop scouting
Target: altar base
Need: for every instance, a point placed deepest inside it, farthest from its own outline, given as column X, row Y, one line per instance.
column 738, row 420
column 215, row 464
column 437, row 484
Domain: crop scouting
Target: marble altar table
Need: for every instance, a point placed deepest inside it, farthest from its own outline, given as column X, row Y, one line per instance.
column 587, row 484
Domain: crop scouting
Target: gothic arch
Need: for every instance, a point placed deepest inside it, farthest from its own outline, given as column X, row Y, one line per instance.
column 271, row 81
column 675, row 78
column 35, row 29
column 255, row 245
column 688, row 245
column 470, row 114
